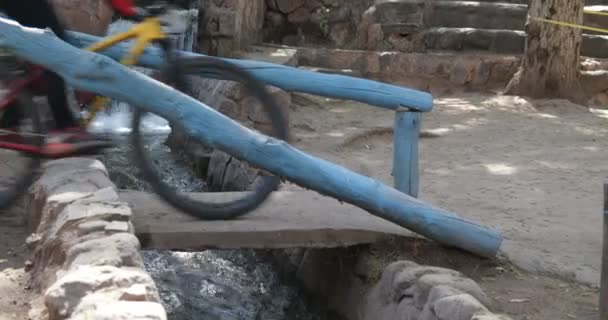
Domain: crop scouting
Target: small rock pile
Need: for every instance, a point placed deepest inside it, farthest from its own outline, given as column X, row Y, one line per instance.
column 410, row 291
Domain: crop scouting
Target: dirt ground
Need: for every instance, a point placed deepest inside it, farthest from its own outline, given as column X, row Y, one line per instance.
column 15, row 296
column 532, row 169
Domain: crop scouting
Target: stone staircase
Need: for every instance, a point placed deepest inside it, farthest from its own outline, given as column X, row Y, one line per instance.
column 494, row 27
column 432, row 44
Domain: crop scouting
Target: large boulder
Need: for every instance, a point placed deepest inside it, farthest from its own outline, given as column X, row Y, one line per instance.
column 88, row 16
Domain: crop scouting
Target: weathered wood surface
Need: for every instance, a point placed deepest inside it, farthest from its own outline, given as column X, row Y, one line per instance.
column 405, row 151
column 97, row 73
column 289, row 219
column 293, row 79
column 604, row 273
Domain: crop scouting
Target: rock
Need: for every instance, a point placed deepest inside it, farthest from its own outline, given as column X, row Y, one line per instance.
column 383, row 291
column 375, row 36
column 118, row 226
column 88, row 16
column 455, row 307
column 137, row 292
column 91, row 226
column 407, row 290
column 483, row 15
column 272, row 5
column 230, row 108
column 275, row 19
column 460, row 74
column 441, row 291
column 410, row 276
column 288, row 6
column 229, row 26
column 426, row 283
column 489, row 316
column 407, row 311
column 300, row 15
column 402, row 11
column 62, row 298
column 118, row 250
column 599, row 100
column 255, row 112
column 122, row 310
column 33, row 240
column 85, row 257
column 340, row 34
column 217, row 166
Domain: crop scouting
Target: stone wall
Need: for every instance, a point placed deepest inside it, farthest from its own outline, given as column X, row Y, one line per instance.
column 86, row 260
column 408, row 290
column 88, row 16
column 352, row 283
column 320, row 22
column 438, row 73
column 221, row 171
column 226, row 27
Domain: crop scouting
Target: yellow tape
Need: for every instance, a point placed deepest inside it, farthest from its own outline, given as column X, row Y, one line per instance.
column 573, row 25
column 597, row 13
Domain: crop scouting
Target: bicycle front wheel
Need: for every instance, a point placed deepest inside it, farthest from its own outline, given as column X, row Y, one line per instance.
column 209, row 210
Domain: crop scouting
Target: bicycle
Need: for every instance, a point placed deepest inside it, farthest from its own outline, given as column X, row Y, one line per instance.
column 147, row 31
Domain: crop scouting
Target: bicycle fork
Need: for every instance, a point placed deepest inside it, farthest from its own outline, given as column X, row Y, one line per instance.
column 147, row 32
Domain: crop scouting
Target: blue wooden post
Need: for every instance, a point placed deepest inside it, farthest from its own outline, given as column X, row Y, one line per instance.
column 96, row 73
column 405, row 151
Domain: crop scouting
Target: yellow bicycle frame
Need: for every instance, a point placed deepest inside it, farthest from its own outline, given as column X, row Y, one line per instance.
column 146, row 32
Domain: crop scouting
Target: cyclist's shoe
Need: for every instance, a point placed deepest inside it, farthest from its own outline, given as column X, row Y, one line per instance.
column 73, row 142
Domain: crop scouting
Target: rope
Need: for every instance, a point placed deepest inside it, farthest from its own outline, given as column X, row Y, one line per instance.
column 574, row 25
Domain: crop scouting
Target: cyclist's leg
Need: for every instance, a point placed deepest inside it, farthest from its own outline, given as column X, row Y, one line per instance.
column 34, row 13
column 65, row 141
column 64, row 118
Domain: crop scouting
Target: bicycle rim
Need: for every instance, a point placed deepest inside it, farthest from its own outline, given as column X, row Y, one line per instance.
column 197, row 207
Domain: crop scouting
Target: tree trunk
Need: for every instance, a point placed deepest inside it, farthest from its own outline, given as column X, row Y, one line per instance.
column 550, row 66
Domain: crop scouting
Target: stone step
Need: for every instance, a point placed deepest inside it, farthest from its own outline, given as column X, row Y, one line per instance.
column 344, row 72
column 404, row 17
column 471, row 39
column 588, row 2
column 499, row 1
column 277, row 55
column 498, row 41
column 476, row 14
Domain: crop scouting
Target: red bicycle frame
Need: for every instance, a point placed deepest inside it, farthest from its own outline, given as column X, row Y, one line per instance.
column 33, row 82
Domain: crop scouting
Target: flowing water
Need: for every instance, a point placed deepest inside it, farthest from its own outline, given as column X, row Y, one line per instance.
column 211, row 284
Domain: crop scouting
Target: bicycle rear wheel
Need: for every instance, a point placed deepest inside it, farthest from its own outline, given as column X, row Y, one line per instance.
column 21, row 138
column 220, row 210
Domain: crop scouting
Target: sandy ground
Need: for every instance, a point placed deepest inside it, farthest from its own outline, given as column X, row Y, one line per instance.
column 532, row 169
column 15, row 296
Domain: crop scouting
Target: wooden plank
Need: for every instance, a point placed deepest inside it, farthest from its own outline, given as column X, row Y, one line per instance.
column 293, row 79
column 405, row 151
column 97, row 73
column 286, row 220
column 604, row 276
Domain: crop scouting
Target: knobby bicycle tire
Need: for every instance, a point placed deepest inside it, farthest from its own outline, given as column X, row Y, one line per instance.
column 174, row 75
column 25, row 108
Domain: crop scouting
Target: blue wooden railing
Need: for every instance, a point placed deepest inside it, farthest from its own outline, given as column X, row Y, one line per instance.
column 406, row 103
column 98, row 73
